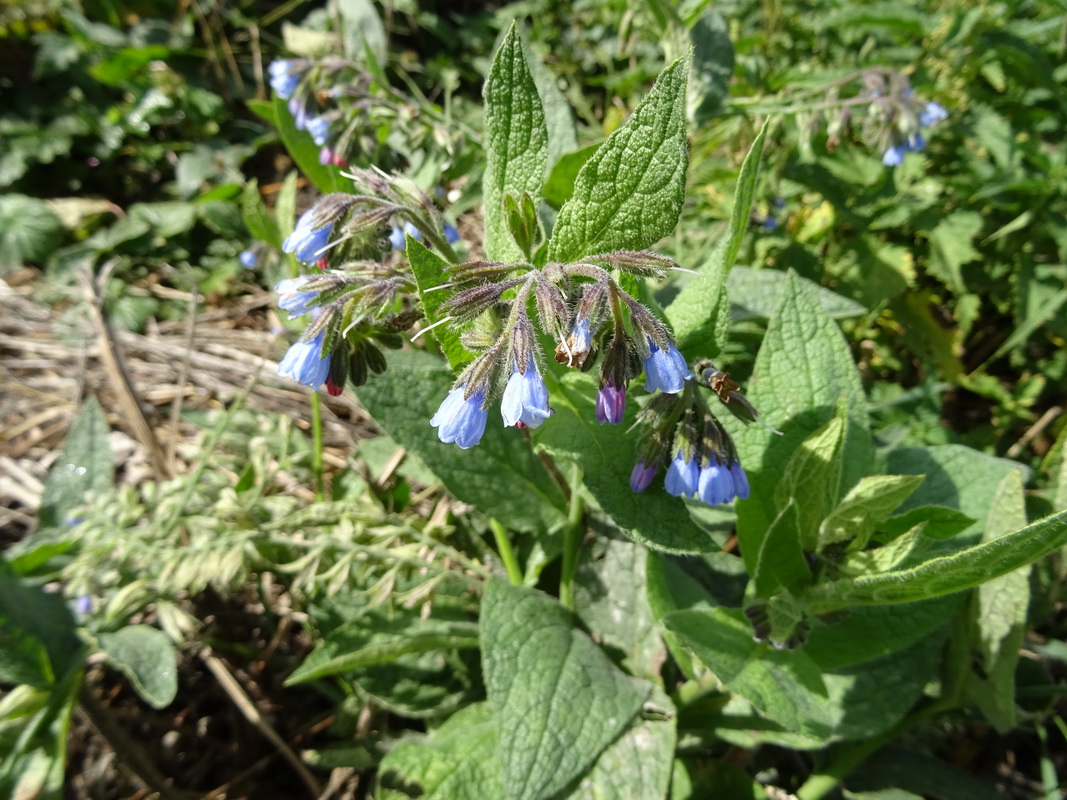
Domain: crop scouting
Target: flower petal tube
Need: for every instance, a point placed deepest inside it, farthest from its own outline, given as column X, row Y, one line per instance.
column 715, row 485
column 306, row 241
column 682, row 477
column 740, row 479
column 305, row 364
column 525, row 398
column 610, row 404
column 292, row 298
column 461, row 420
column 665, row 369
column 642, row 475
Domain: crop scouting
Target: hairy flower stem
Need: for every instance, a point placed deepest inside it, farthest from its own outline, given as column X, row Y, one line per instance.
column 572, row 540
column 316, row 445
column 507, row 554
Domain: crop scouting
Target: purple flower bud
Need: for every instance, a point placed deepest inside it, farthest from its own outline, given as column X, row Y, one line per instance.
column 641, row 477
column 610, row 404
column 682, row 477
column 461, row 420
column 525, row 398
column 248, row 259
column 292, row 299
column 740, row 479
column 305, row 364
column 666, row 369
column 715, row 485
column 307, row 241
column 282, row 81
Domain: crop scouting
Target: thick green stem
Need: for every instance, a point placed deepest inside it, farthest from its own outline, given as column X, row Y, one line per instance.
column 507, row 554
column 572, row 540
column 316, row 445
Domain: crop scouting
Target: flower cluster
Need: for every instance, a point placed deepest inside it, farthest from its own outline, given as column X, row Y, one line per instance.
column 682, row 435
column 912, row 140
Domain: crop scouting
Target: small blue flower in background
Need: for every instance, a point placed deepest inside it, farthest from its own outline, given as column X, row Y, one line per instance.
column 83, row 605
column 525, row 401
column 665, row 370
column 304, row 362
column 307, row 241
column 932, row 114
column 610, row 404
column 642, row 475
column 461, row 420
column 683, row 476
column 397, row 236
column 740, row 479
column 299, row 112
column 294, row 300
column 248, row 259
column 451, row 234
column 715, row 484
column 282, row 81
column 319, row 128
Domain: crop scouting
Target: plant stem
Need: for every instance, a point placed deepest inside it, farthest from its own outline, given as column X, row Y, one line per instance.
column 572, row 540
column 316, row 445
column 507, row 555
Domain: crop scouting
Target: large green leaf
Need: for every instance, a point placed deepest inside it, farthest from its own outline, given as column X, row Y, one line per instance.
column 502, row 476
column 964, row 569
column 147, row 657
column 700, row 313
column 29, row 230
column 804, row 371
column 457, row 762
column 516, row 147
column 558, row 700
column 605, row 454
column 326, row 177
column 629, row 194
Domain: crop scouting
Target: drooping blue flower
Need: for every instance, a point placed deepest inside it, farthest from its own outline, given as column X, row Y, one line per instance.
column 318, row 127
column 299, row 112
column 610, row 404
column 525, row 401
column 305, row 364
column 461, row 420
column 665, row 370
column 306, row 241
column 83, row 605
column 715, row 485
column 932, row 114
column 282, row 81
column 292, row 298
column 895, row 154
column 397, row 236
column 683, row 476
column 642, row 475
column 248, row 259
column 451, row 234
column 740, row 479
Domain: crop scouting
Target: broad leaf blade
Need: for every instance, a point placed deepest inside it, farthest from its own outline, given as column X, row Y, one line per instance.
column 629, row 194
column 867, row 503
column 326, row 177
column 147, row 657
column 559, row 701
column 87, row 465
column 430, row 271
column 516, row 142
column 260, row 223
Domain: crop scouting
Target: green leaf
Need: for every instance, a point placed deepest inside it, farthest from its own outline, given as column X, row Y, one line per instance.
column 428, row 685
column 713, row 66
column 700, row 313
column 756, row 293
column 147, row 657
column 559, row 187
column 637, row 765
column 605, row 453
column 326, row 177
column 87, row 465
column 784, row 685
column 867, row 503
column 951, row 246
column 962, row 570
column 610, row 598
column 630, row 193
column 260, row 222
column 812, row 478
column 516, row 142
column 939, row 522
column 29, row 230
column 363, row 31
column 562, row 133
column 803, row 371
column 430, row 271
column 502, row 476
column 781, row 560
column 559, row 701
column 376, row 640
column 999, row 615
column 458, row 761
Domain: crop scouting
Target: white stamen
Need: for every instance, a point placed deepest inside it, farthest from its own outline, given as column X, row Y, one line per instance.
column 431, row 327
